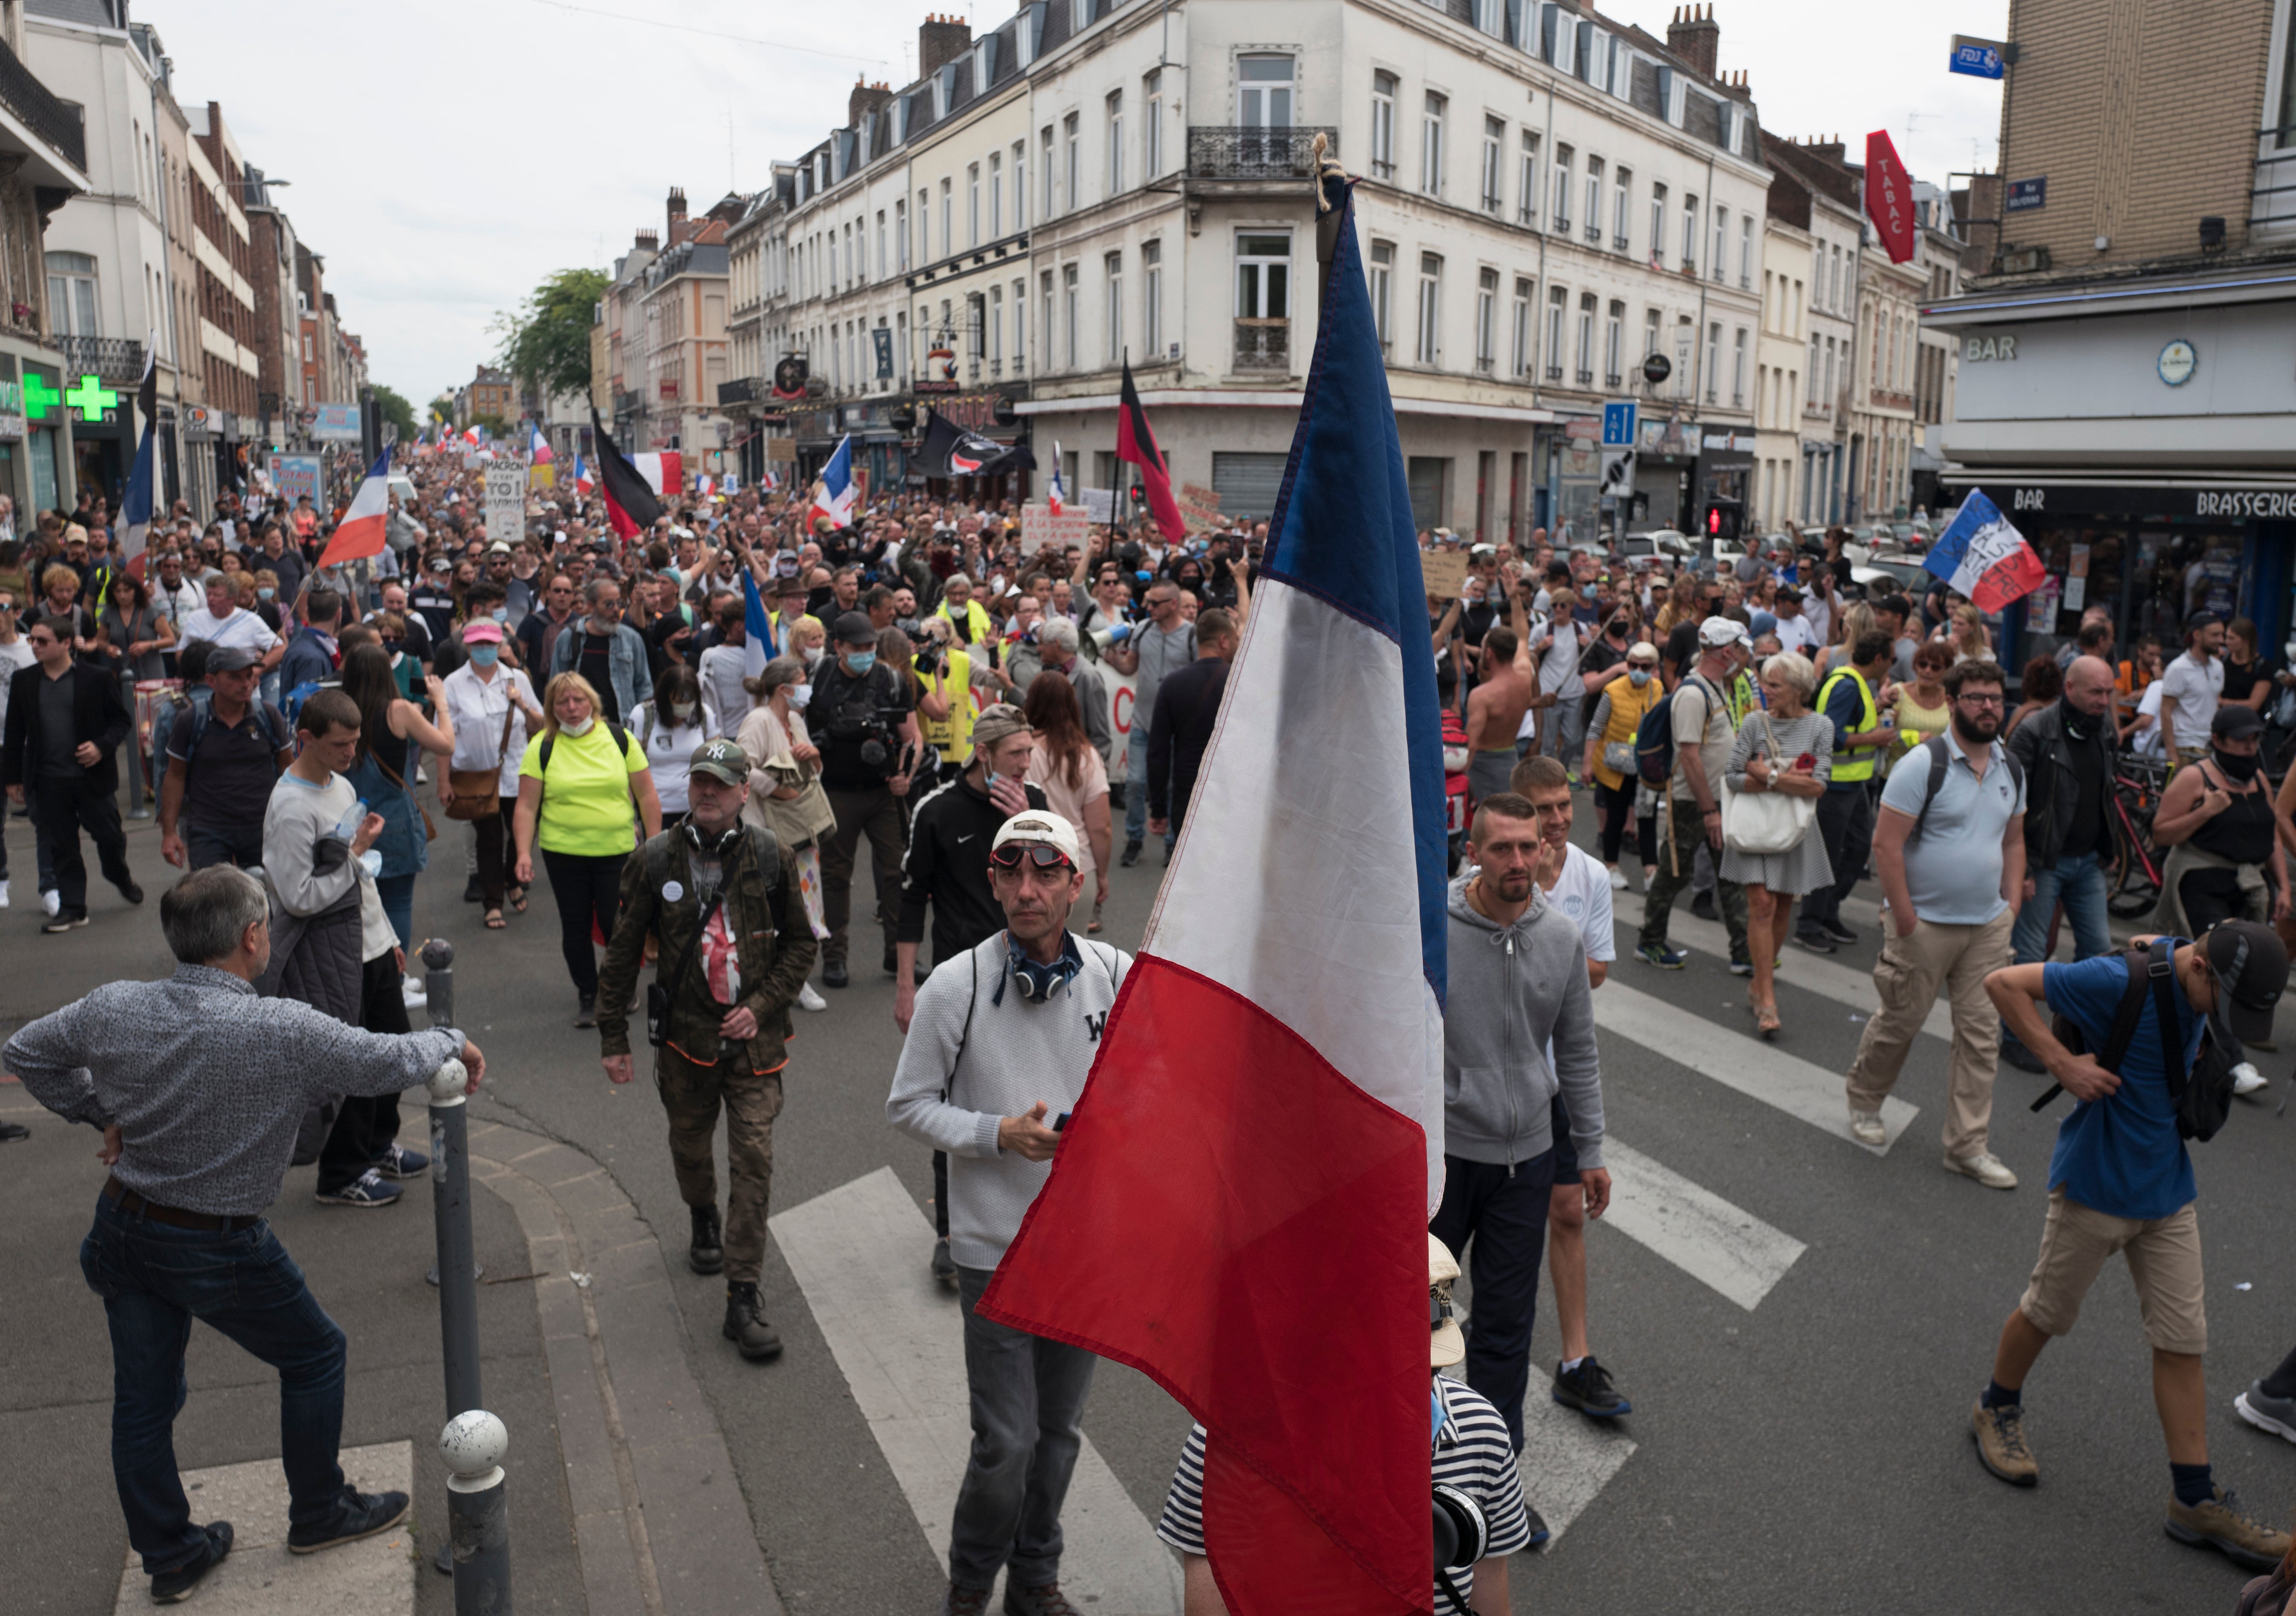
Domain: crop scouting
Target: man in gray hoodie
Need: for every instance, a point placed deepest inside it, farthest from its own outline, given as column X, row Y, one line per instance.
column 1517, row 988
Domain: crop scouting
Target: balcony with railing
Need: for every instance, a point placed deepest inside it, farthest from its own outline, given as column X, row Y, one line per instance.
column 743, row 389
column 1233, row 153
column 113, row 358
column 58, row 122
column 1263, row 345
column 2272, row 194
column 1554, row 372
column 1585, row 378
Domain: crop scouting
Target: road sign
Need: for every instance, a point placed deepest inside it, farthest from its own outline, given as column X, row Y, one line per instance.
column 1618, row 424
column 1978, row 58
column 1618, row 474
column 2025, row 194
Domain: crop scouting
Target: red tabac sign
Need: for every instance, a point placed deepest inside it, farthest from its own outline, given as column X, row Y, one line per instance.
column 1889, row 196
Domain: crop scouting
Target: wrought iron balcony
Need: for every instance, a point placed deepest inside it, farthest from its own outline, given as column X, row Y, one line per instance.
column 113, row 358
column 60, row 123
column 1263, row 345
column 1585, row 378
column 628, row 402
column 742, row 391
column 1229, row 152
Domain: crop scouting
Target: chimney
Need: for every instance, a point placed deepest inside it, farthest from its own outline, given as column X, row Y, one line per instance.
column 648, row 242
column 1696, row 37
column 865, row 97
column 1734, row 86
column 941, row 39
column 676, row 214
column 1829, row 150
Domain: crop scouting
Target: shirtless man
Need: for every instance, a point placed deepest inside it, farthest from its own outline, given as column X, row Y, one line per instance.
column 1495, row 711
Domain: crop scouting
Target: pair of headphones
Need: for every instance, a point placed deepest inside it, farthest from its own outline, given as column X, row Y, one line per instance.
column 1035, row 981
column 720, row 846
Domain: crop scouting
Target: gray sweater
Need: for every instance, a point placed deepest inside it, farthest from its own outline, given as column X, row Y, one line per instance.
column 1513, row 990
column 1014, row 1054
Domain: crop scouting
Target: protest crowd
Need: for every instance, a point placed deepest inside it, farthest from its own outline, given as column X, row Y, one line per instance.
column 687, row 724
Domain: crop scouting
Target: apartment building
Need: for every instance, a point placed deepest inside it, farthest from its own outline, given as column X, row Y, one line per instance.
column 757, row 260
column 2123, row 345
column 624, row 344
column 223, row 246
column 43, row 164
column 682, row 317
column 1788, row 254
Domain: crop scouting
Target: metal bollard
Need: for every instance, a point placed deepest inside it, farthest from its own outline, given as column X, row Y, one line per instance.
column 487, row 1589
column 477, row 1513
column 438, row 957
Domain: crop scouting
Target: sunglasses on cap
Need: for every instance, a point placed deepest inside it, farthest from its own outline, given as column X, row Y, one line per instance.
column 1043, row 857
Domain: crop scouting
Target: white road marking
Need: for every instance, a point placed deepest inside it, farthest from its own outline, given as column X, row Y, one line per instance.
column 1567, row 1459
column 1713, row 1242
column 1735, row 1060
column 858, row 1252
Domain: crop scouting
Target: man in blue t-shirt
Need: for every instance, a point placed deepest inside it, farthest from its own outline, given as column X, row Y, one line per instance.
column 2120, row 1180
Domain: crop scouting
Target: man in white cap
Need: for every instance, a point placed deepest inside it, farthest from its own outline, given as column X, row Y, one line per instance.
column 1471, row 1454
column 997, row 1052
column 1691, row 813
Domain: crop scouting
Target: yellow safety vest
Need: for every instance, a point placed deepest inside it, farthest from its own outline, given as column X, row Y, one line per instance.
column 952, row 735
column 1857, row 765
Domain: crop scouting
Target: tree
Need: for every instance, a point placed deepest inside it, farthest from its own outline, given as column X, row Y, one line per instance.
column 442, row 408
column 396, row 410
column 545, row 340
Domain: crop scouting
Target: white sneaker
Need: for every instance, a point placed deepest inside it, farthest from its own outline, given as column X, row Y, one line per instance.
column 808, row 999
column 1866, row 1127
column 52, row 903
column 2245, row 1079
column 411, row 992
column 4, row 894
column 422, row 776
column 1617, row 879
column 1988, row 1168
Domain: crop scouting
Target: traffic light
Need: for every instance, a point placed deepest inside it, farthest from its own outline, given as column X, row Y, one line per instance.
column 1725, row 519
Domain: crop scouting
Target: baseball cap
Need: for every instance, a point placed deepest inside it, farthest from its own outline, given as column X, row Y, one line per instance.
column 439, row 563
column 1483, row 550
column 1721, row 631
column 479, row 631
column 501, row 546
column 1446, row 1344
column 230, row 658
column 2235, row 723
column 995, row 723
column 2252, row 968
column 720, row 760
column 854, row 629
column 1037, row 825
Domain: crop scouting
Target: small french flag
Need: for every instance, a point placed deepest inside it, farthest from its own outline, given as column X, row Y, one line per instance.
column 538, row 446
column 583, row 481
column 833, row 495
column 1056, row 496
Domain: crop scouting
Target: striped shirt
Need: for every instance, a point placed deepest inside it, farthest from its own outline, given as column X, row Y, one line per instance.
column 1473, row 1454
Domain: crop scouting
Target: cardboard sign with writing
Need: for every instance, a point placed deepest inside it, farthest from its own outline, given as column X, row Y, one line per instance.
column 1446, row 572
column 1040, row 528
column 1099, row 505
column 1199, row 507
column 505, row 501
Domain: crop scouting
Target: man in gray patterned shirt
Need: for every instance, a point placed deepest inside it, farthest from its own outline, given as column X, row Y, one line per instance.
column 197, row 1085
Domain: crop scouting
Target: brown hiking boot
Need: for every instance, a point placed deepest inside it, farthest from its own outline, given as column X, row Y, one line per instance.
column 2221, row 1525
column 2000, row 1437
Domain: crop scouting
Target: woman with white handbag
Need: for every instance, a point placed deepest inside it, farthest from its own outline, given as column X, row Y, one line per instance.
column 1778, row 771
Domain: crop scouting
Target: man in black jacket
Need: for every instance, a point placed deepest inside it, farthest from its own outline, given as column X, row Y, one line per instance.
column 65, row 724
column 2066, row 752
column 1187, row 709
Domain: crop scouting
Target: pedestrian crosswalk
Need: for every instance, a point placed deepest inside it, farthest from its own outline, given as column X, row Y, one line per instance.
column 1719, row 1244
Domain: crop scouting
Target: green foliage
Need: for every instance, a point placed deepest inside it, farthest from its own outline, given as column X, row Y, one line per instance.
column 442, row 408
column 545, row 340
column 396, row 410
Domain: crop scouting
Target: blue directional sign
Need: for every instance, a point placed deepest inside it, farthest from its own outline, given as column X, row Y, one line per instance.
column 1978, row 58
column 2024, row 194
column 1618, row 424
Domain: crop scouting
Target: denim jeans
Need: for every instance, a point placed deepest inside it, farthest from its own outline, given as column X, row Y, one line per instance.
column 1505, row 1210
column 1135, row 785
column 2079, row 883
column 155, row 1279
column 1028, row 1427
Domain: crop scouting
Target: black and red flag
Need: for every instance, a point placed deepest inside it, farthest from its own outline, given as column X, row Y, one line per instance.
column 947, row 449
column 631, row 505
column 1135, row 441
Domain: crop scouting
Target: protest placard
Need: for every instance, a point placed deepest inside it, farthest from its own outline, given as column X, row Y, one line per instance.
column 1446, row 572
column 1039, row 527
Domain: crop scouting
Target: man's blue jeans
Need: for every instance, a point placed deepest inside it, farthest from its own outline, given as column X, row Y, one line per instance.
column 2079, row 883
column 155, row 1279
column 1135, row 786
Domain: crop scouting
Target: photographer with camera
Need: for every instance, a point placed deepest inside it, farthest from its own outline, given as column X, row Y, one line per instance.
column 863, row 718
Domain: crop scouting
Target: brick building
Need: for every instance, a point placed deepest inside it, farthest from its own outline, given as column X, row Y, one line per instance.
column 223, row 244
column 492, row 394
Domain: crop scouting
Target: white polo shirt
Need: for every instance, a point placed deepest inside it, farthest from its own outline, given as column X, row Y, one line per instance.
column 241, row 628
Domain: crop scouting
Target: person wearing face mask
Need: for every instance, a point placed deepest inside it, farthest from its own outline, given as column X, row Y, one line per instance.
column 670, row 726
column 2225, row 860
column 865, row 720
column 494, row 709
column 1610, row 761
column 785, row 794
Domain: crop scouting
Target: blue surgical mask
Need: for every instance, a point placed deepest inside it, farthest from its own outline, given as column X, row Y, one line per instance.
column 1640, row 676
column 799, row 696
column 485, row 656
column 262, row 594
column 502, row 614
column 859, row 662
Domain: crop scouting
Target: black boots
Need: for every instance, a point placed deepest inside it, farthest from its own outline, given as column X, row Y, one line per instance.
column 746, row 1326
column 706, row 1255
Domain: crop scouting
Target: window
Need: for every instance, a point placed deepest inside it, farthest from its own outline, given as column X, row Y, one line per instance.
column 1069, row 312
column 996, row 195
column 1713, row 362
column 1430, row 145
column 1115, row 142
column 1151, row 298
column 1649, row 332
column 1657, row 226
column 1682, row 341
column 1527, row 205
column 1486, row 302
column 1020, row 316
column 1746, row 251
column 1622, row 199
column 882, row 259
column 1557, row 300
column 1585, row 372
column 1558, row 192
column 1835, row 301
column 1831, row 351
column 1151, row 125
column 1494, row 147
column 1716, row 266
column 1738, row 372
column 996, row 331
column 973, row 204
column 1689, row 234
column 1020, row 213
column 1594, row 200
column 1263, row 277
column 1521, row 367
column 1051, row 206
column 1429, row 350
column 1382, row 125
column 925, row 238
column 1075, row 161
column 947, row 224
column 833, row 263
column 1046, row 285
column 1614, row 340
column 1115, row 267
column 1263, row 92
column 1382, row 292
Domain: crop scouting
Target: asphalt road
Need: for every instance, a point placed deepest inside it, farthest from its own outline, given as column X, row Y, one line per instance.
column 1808, row 1453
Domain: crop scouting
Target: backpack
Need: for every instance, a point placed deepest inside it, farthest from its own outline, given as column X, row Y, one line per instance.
column 622, row 745
column 1940, row 760
column 201, row 698
column 2203, row 1096
column 1654, row 736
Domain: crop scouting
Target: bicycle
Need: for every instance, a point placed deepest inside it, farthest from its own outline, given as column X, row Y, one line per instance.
column 2134, row 886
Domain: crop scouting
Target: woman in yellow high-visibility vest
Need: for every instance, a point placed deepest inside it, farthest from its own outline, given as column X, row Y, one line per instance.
column 944, row 704
column 1626, row 701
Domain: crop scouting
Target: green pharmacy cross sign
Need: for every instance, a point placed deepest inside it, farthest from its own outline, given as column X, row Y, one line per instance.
column 40, row 398
column 91, row 399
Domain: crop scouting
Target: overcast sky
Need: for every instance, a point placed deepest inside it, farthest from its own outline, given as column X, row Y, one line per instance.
column 447, row 154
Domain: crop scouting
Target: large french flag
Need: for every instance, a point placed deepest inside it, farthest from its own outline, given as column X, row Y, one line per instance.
column 361, row 531
column 1239, row 1207
column 833, row 495
column 1980, row 555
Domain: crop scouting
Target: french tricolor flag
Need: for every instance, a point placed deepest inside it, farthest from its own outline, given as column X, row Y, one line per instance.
column 583, row 481
column 833, row 495
column 361, row 532
column 538, row 447
column 1055, row 496
column 1239, row 1207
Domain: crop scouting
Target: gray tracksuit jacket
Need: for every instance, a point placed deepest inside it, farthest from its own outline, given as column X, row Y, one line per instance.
column 1516, row 993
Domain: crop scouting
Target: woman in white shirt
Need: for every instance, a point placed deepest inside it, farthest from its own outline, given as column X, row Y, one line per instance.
column 494, row 710
column 668, row 726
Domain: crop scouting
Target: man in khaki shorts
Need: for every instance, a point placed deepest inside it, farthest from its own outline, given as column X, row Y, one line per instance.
column 2120, row 1180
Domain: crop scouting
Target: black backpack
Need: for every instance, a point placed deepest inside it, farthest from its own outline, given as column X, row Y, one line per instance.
column 2203, row 1096
column 1940, row 760
column 622, row 745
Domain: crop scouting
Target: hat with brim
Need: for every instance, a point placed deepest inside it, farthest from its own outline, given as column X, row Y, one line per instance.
column 2252, row 970
column 1447, row 1344
column 1038, row 826
column 2235, row 722
column 1721, row 631
column 854, row 629
column 720, row 760
column 230, row 658
column 481, row 631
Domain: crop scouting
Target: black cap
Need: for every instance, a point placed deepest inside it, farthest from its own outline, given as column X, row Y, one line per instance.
column 2252, row 970
column 2235, row 722
column 854, row 629
column 230, row 658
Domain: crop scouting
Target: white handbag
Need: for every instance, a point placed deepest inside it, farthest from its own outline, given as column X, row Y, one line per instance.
column 1764, row 823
